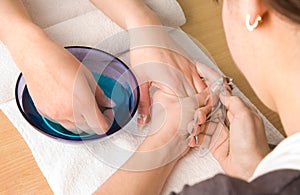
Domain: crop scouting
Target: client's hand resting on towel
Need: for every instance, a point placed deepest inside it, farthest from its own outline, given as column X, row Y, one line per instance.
column 150, row 43
column 147, row 170
column 61, row 88
column 238, row 150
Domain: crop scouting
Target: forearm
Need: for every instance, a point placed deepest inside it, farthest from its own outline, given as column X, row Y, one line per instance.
column 12, row 15
column 147, row 169
column 128, row 13
column 22, row 37
column 136, row 183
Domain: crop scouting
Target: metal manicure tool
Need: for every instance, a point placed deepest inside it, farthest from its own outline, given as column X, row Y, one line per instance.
column 216, row 119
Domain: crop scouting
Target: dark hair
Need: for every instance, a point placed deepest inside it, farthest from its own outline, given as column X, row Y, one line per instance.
column 288, row 8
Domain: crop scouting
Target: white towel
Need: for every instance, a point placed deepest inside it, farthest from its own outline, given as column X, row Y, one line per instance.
column 75, row 22
column 76, row 169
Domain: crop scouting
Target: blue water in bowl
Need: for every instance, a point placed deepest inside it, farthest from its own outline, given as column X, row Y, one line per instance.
column 121, row 95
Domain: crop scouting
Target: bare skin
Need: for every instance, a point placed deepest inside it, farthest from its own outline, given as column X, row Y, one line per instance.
column 41, row 59
column 263, row 53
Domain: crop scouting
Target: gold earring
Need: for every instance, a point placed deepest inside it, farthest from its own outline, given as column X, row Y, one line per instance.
column 253, row 26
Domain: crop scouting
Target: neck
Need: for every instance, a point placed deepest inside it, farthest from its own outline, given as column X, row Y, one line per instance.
column 287, row 102
column 285, row 88
column 280, row 78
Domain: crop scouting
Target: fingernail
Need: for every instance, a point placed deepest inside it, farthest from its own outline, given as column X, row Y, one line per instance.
column 142, row 119
column 196, row 139
column 113, row 104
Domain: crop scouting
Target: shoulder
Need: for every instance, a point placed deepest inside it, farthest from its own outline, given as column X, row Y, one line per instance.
column 285, row 156
column 276, row 182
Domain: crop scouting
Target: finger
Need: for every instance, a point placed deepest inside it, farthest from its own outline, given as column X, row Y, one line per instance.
column 80, row 125
column 209, row 74
column 202, row 98
column 200, row 115
column 191, row 127
column 144, row 105
column 202, row 138
column 70, row 126
column 234, row 105
column 199, row 84
column 193, row 141
column 84, row 127
column 102, row 100
column 67, row 125
column 165, row 88
column 220, row 146
column 194, row 127
column 95, row 119
column 110, row 115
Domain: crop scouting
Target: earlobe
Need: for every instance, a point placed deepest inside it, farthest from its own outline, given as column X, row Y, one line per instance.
column 251, row 26
column 255, row 10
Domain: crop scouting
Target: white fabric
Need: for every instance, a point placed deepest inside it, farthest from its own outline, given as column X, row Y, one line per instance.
column 285, row 156
column 48, row 13
column 76, row 168
column 75, row 22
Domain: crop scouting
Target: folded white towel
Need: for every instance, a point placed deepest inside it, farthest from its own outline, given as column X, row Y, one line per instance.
column 79, row 169
column 48, row 13
column 75, row 22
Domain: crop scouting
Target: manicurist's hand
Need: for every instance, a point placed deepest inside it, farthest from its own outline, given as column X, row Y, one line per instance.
column 240, row 150
column 62, row 89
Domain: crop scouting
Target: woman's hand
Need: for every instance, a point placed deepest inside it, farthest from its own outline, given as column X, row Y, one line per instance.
column 62, row 89
column 240, row 150
column 148, row 168
column 157, row 60
column 150, row 43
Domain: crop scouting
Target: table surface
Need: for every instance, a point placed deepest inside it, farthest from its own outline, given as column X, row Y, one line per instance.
column 19, row 173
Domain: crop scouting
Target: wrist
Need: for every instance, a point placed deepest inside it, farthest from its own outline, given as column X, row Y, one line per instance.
column 144, row 17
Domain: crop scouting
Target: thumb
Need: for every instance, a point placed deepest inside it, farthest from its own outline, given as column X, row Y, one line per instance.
column 234, row 105
column 102, row 100
column 210, row 75
column 144, row 105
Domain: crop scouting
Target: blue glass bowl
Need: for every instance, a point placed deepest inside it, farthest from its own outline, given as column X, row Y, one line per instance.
column 114, row 78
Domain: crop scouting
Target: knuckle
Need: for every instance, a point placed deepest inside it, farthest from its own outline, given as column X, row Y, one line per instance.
column 69, row 126
column 61, row 113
